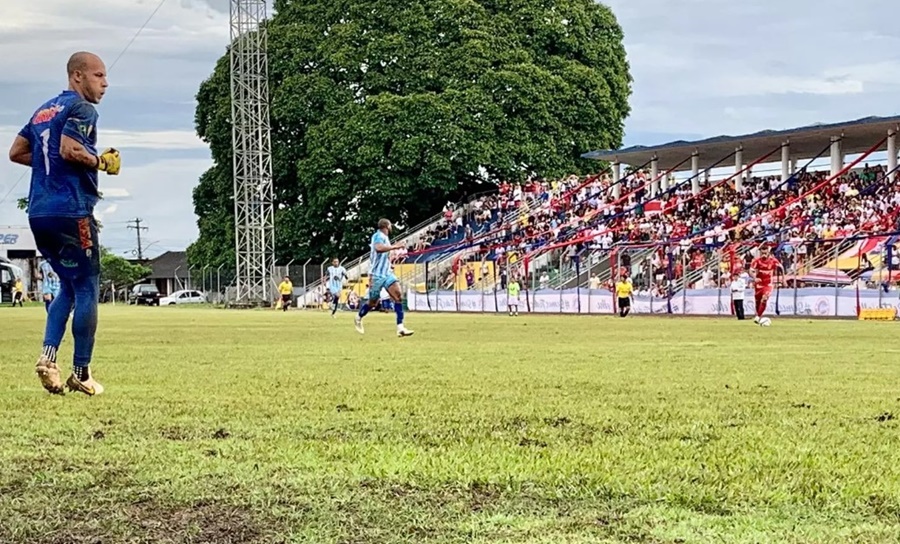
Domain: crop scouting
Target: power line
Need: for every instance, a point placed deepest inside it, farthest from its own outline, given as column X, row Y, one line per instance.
column 127, row 47
column 138, row 228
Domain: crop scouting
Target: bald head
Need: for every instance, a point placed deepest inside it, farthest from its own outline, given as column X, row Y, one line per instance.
column 81, row 62
column 87, row 76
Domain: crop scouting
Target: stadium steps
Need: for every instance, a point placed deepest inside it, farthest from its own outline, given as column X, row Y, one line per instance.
column 442, row 262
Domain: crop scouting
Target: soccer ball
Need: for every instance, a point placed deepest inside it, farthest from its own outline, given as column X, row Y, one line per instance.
column 765, row 322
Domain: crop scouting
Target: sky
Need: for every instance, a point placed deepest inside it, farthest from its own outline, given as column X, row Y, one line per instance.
column 701, row 68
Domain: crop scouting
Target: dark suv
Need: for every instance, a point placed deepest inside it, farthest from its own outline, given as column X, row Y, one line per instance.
column 145, row 294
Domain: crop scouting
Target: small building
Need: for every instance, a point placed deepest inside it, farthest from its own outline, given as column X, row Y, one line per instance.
column 19, row 255
column 169, row 272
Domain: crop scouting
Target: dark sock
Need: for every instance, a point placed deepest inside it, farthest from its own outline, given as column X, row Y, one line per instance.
column 398, row 309
column 81, row 372
column 364, row 309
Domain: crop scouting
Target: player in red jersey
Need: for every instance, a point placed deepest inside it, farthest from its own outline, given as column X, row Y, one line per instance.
column 762, row 270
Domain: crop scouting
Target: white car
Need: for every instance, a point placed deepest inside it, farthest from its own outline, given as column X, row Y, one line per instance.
column 183, row 297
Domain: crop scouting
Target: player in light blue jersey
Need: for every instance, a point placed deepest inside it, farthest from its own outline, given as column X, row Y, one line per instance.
column 334, row 277
column 382, row 277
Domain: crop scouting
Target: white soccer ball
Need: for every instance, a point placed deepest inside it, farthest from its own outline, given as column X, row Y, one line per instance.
column 765, row 322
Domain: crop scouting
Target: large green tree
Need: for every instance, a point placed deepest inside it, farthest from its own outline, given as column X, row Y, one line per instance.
column 115, row 270
column 388, row 108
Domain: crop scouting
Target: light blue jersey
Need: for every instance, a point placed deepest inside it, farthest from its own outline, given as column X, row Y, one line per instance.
column 382, row 276
column 336, row 276
column 381, row 262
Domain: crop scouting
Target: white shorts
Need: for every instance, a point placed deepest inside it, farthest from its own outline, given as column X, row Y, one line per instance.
column 512, row 301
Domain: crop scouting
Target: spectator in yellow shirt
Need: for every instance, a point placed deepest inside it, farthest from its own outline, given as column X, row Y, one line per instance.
column 286, row 288
column 624, row 290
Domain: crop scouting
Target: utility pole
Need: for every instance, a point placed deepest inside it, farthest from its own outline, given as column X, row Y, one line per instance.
column 138, row 228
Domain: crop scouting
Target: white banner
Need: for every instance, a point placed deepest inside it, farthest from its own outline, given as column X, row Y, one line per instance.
column 812, row 302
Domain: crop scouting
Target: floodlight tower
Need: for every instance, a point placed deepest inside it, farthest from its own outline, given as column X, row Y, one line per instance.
column 254, row 215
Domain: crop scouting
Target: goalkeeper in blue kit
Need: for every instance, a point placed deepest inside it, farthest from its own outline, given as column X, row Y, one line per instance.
column 59, row 144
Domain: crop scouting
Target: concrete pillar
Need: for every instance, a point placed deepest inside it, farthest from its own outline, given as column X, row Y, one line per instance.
column 654, row 173
column 836, row 160
column 664, row 183
column 695, row 173
column 793, row 165
column 738, row 166
column 617, row 176
column 892, row 152
column 785, row 161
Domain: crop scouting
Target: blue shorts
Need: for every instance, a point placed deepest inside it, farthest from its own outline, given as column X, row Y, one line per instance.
column 70, row 245
column 379, row 283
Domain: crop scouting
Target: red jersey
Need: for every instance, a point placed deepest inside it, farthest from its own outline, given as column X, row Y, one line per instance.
column 765, row 268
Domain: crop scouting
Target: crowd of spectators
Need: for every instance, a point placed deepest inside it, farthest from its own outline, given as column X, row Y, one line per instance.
column 584, row 212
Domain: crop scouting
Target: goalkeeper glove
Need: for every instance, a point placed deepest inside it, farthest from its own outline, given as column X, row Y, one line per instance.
column 109, row 162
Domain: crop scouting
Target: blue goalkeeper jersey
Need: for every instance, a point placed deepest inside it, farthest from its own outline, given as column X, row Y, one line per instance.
column 60, row 188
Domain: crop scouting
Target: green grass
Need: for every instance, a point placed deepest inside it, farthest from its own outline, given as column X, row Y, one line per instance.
column 227, row 426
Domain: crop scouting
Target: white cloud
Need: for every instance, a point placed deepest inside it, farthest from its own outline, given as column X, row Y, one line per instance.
column 711, row 67
column 161, row 139
column 124, row 139
column 744, row 85
column 115, row 193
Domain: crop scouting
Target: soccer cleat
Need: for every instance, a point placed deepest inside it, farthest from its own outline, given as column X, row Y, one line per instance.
column 359, row 326
column 403, row 331
column 48, row 373
column 756, row 320
column 89, row 387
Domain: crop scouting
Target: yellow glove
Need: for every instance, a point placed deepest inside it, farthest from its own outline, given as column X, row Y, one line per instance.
column 110, row 162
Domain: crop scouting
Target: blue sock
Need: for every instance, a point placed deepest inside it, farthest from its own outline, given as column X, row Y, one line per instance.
column 364, row 310
column 84, row 320
column 398, row 308
column 47, row 305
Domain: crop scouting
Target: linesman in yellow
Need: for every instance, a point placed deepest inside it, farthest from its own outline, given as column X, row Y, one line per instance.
column 286, row 289
column 624, row 290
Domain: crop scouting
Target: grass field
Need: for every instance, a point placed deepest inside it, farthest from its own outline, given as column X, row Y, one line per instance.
column 265, row 427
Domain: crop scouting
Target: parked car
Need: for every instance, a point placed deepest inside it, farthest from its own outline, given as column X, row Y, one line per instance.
column 145, row 293
column 185, row 296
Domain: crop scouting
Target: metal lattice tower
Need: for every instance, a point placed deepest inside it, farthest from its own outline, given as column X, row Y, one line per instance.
column 254, row 216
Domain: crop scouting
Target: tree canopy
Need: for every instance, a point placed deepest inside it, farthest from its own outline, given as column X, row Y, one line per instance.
column 388, row 108
column 115, row 270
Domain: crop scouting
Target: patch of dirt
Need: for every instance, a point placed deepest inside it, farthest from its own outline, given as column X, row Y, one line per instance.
column 557, row 421
column 203, row 523
column 344, row 408
column 175, row 433
column 517, row 423
column 887, row 416
column 152, row 523
column 801, row 405
column 530, row 442
column 98, row 435
column 883, row 507
column 221, row 434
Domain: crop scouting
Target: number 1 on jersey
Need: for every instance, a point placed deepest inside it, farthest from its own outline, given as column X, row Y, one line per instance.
column 45, row 146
